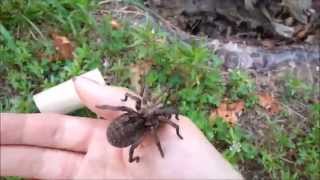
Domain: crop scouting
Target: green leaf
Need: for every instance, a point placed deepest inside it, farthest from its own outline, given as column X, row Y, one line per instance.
column 6, row 35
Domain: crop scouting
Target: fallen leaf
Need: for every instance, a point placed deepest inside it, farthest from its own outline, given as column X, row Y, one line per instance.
column 289, row 21
column 63, row 46
column 161, row 40
column 228, row 111
column 139, row 70
column 297, row 8
column 303, row 31
column 249, row 4
column 115, row 24
column 267, row 43
column 269, row 103
column 283, row 30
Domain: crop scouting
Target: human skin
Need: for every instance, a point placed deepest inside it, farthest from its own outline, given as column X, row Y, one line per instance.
column 57, row 146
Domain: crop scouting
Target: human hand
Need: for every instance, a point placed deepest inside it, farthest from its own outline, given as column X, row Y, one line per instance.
column 61, row 147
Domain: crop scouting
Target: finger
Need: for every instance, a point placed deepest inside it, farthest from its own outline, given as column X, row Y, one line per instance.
column 48, row 130
column 102, row 158
column 93, row 94
column 193, row 149
column 34, row 162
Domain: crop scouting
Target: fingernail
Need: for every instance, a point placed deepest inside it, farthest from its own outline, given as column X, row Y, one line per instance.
column 83, row 77
column 74, row 79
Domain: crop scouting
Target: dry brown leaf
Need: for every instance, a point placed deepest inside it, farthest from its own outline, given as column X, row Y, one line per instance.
column 161, row 40
column 303, row 31
column 228, row 111
column 115, row 24
column 63, row 46
column 297, row 8
column 267, row 43
column 138, row 70
column 269, row 103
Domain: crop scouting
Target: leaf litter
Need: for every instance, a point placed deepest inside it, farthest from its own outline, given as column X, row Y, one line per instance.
column 230, row 112
column 269, row 103
column 63, row 46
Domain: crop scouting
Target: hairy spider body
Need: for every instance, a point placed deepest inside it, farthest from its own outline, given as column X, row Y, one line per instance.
column 125, row 130
column 130, row 128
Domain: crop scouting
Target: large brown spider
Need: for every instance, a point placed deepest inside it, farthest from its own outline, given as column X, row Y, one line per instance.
column 130, row 128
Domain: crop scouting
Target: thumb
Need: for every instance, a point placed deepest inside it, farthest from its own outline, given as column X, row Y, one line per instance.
column 93, row 94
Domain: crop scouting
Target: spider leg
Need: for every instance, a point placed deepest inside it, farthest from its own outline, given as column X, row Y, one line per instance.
column 131, row 151
column 168, row 111
column 157, row 99
column 174, row 125
column 168, row 96
column 145, row 93
column 143, row 88
column 116, row 108
column 136, row 98
column 155, row 135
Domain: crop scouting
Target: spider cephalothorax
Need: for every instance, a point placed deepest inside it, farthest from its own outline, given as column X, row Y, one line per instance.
column 130, row 128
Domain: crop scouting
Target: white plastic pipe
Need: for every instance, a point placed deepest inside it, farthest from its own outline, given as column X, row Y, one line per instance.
column 63, row 98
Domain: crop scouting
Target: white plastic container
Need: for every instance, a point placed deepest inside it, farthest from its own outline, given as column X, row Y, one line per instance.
column 63, row 98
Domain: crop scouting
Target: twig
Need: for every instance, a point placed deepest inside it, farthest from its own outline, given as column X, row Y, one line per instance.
column 287, row 160
column 128, row 12
column 34, row 36
column 33, row 26
column 295, row 112
column 108, row 1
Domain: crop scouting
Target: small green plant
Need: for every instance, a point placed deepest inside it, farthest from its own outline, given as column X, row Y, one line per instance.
column 241, row 86
column 296, row 88
column 234, row 142
column 11, row 178
column 26, row 73
column 294, row 154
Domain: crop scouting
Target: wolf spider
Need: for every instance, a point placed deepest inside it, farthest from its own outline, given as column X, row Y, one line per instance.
column 130, row 128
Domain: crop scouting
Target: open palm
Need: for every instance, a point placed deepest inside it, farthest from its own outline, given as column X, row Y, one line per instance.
column 58, row 146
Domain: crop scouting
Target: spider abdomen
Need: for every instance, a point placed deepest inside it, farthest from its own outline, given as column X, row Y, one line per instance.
column 125, row 130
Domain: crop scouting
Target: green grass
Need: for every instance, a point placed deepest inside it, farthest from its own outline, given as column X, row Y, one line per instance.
column 241, row 86
column 190, row 70
column 296, row 88
column 296, row 154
